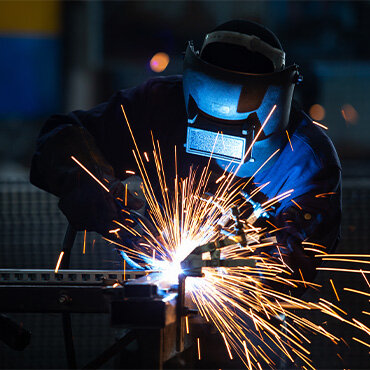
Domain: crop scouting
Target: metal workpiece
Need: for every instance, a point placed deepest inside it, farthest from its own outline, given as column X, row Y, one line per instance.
column 56, row 298
column 144, row 305
column 73, row 291
column 192, row 265
column 72, row 277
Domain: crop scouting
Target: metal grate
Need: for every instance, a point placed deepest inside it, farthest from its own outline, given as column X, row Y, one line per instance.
column 32, row 229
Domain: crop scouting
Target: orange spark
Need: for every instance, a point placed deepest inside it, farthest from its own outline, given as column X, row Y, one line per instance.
column 271, row 224
column 146, row 156
column 198, row 349
column 356, row 291
column 335, row 291
column 296, row 204
column 247, row 355
column 59, row 261
column 219, row 179
column 323, row 195
column 258, row 134
column 129, row 172
column 187, row 324
column 320, row 125
column 95, row 178
column 287, row 134
column 349, row 255
column 227, row 346
column 84, row 247
column 114, row 231
column 360, row 341
column 367, row 281
column 126, row 195
column 304, row 283
column 314, row 244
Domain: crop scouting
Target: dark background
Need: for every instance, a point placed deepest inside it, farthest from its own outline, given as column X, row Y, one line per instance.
column 58, row 56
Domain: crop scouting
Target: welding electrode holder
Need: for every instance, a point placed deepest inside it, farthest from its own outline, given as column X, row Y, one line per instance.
column 68, row 242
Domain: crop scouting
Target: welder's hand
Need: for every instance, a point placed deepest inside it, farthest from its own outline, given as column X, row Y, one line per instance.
column 90, row 207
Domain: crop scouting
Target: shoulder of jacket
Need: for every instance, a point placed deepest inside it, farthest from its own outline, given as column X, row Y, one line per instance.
column 164, row 81
column 314, row 139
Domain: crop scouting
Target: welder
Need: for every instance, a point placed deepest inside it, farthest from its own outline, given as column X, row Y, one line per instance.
column 229, row 86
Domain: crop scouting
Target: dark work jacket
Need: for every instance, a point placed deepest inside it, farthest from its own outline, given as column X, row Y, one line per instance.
column 100, row 139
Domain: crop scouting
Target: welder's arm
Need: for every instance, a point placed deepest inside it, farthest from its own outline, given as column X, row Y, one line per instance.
column 98, row 139
column 315, row 219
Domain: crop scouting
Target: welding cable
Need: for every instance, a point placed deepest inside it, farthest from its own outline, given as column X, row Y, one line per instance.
column 129, row 261
column 68, row 242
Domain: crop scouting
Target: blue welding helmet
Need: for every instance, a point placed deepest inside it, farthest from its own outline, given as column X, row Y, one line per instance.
column 227, row 102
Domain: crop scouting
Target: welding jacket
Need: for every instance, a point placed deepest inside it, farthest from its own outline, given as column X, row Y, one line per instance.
column 99, row 138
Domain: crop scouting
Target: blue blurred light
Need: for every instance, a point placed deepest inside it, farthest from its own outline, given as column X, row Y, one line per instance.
column 29, row 75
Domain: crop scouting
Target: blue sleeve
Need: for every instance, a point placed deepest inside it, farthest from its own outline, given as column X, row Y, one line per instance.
column 310, row 223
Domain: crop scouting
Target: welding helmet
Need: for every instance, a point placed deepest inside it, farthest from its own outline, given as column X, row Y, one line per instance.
column 230, row 87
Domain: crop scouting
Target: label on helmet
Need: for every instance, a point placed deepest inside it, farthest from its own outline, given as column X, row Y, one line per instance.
column 215, row 144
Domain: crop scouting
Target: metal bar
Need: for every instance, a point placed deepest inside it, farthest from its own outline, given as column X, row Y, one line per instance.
column 68, row 242
column 73, row 277
column 180, row 306
column 68, row 340
column 54, row 299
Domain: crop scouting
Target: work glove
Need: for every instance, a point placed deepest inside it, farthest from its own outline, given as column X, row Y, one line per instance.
column 88, row 206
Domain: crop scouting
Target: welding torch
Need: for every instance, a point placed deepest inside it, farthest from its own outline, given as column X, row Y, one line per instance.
column 192, row 265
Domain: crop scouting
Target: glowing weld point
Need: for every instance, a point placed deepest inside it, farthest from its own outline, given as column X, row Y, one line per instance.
column 320, row 125
column 94, row 177
column 59, row 261
column 115, row 285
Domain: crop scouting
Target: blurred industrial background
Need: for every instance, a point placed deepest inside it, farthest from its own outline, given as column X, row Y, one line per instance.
column 58, row 56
